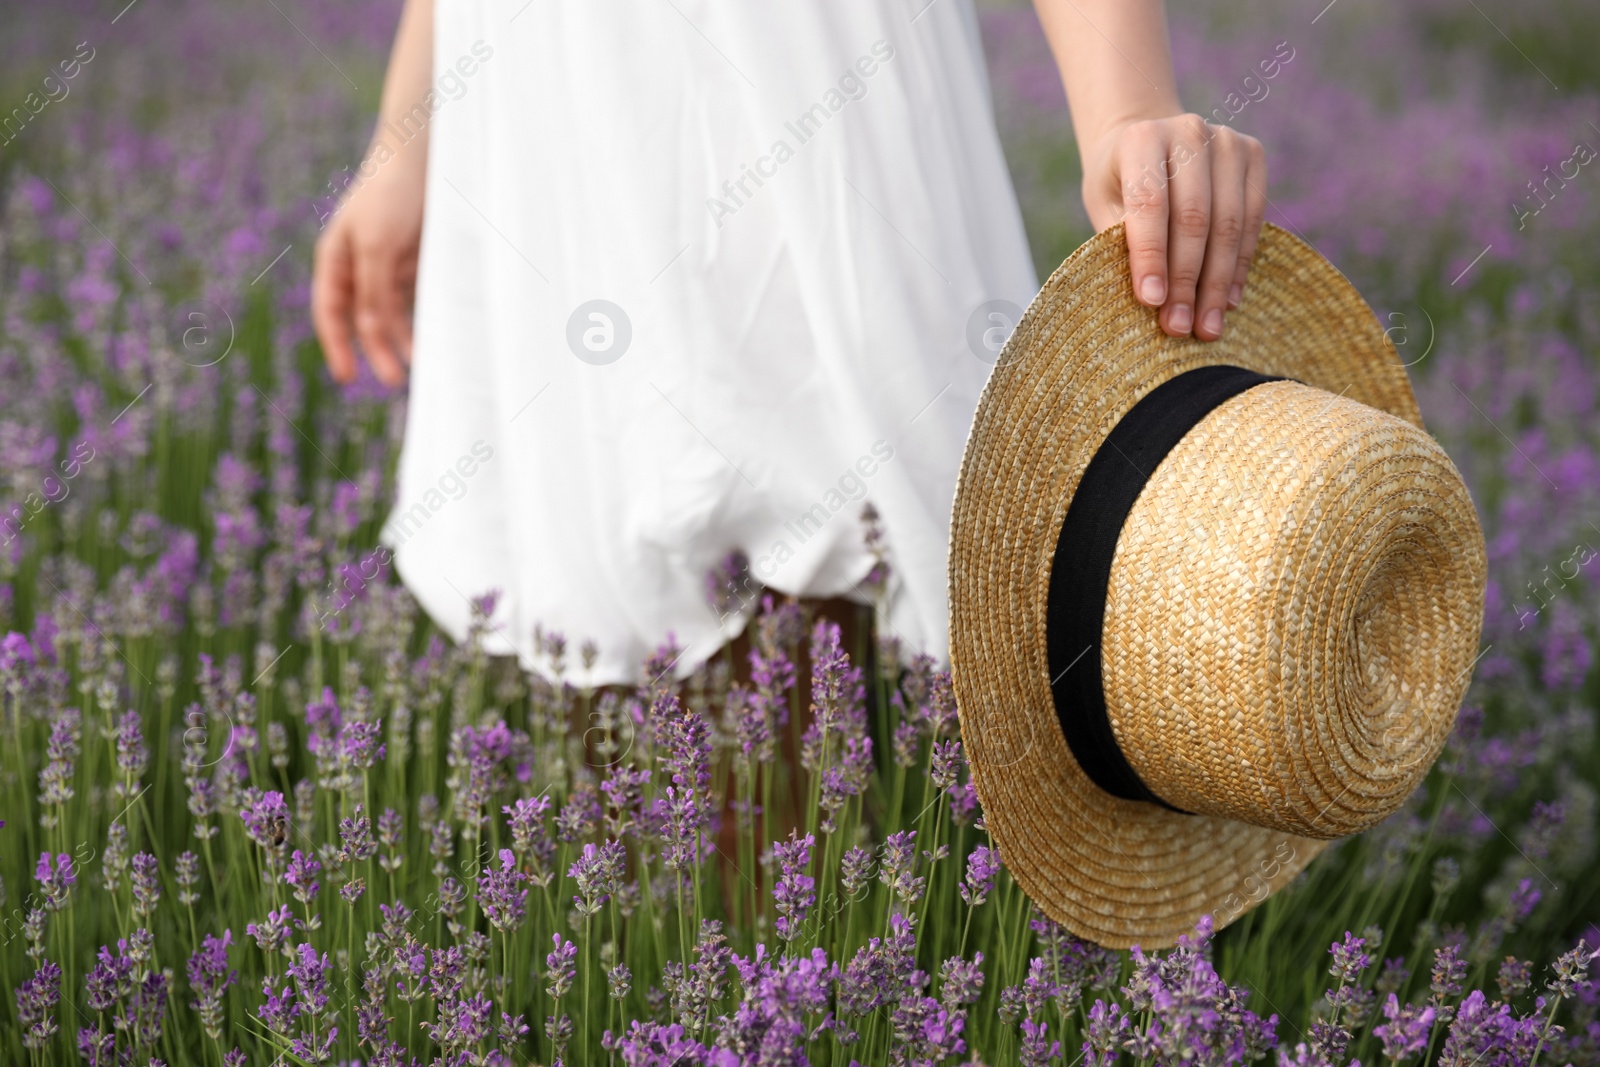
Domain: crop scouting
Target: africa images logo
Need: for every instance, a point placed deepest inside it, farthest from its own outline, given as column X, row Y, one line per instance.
column 852, row 86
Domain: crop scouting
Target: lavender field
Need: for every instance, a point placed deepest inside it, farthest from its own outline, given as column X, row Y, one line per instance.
column 257, row 810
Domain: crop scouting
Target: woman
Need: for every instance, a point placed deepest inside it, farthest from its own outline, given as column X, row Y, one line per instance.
column 696, row 277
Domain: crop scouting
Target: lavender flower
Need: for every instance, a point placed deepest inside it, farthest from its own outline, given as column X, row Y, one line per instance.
column 146, row 885
column 36, row 1001
column 55, row 882
column 982, row 867
column 947, row 764
column 1037, row 1047
column 1449, row 974
column 209, row 979
column 1514, row 978
column 526, row 819
column 597, row 872
column 563, row 967
column 55, row 778
column 272, row 933
column 794, row 894
column 132, row 755
column 960, row 981
column 501, row 895
column 187, row 874
column 578, row 817
column 1107, row 1034
column 355, row 838
column 391, row 827
column 1406, row 1031
column 855, row 870
column 310, row 974
column 302, row 875
column 1523, row 900
column 619, row 980
column 1348, row 958
column 267, row 822
column 897, row 861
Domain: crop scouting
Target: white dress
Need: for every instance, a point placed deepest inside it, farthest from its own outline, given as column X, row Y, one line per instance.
column 801, row 224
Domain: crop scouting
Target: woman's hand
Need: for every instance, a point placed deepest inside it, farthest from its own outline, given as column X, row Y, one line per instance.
column 365, row 271
column 1193, row 196
column 364, row 276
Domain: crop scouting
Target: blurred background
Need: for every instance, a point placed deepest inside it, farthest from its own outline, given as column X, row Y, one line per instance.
column 1440, row 152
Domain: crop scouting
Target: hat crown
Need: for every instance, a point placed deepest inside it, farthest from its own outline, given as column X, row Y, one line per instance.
column 1290, row 621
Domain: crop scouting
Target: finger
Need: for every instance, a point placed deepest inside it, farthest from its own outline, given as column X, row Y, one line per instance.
column 331, row 291
column 1222, row 244
column 1188, row 225
column 378, row 312
column 1142, row 162
column 1255, row 211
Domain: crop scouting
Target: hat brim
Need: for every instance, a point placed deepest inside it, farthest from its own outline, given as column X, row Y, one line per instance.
column 1117, row 872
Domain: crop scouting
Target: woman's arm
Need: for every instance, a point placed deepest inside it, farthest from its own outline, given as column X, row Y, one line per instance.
column 1193, row 194
column 365, row 270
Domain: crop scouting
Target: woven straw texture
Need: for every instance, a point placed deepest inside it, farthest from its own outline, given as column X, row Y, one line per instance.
column 1294, row 604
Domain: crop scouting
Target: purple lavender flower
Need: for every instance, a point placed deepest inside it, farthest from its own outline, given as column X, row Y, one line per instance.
column 624, row 791
column 501, row 895
column 728, row 584
column 16, row 660
column 598, row 872
column 55, row 778
column 110, row 979
column 960, row 981
column 619, row 980
column 310, row 974
column 1406, row 1031
column 526, row 818
column 684, row 738
column 1523, row 900
column 579, row 816
column 36, row 1001
column 880, row 969
column 267, row 822
column 272, row 933
column 897, row 861
column 345, row 509
column 563, row 967
column 55, row 882
column 1571, row 977
column 132, row 755
column 651, row 1044
column 795, row 892
column 355, row 838
column 1481, row 1029
column 778, row 998
column 1514, row 978
column 1449, row 974
column 855, row 870
column 1037, row 1049
column 1107, row 1032
column 146, row 884
column 906, row 740
column 302, row 875
column 947, row 764
column 982, row 867
column 1348, row 958
column 209, row 979
column 830, row 675
column 186, row 873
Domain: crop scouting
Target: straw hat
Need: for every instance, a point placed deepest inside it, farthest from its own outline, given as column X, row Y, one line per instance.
column 1239, row 575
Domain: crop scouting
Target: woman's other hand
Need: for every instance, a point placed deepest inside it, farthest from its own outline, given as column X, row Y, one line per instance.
column 365, row 272
column 364, row 275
